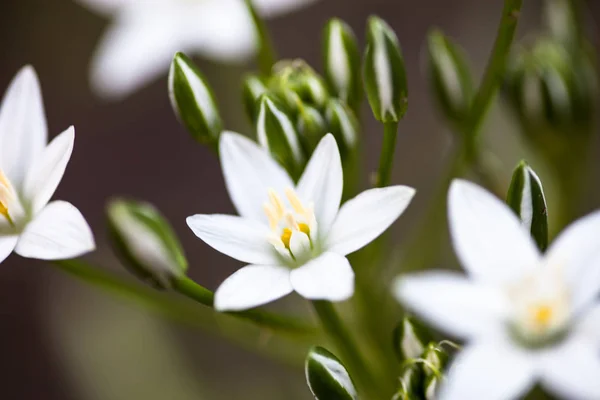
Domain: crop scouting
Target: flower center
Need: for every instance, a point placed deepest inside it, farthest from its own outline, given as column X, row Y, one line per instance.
column 292, row 224
column 542, row 308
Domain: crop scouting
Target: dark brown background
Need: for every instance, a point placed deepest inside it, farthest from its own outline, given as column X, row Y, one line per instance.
column 59, row 339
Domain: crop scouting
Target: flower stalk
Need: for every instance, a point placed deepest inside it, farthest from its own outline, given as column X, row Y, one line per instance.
column 386, row 160
column 266, row 54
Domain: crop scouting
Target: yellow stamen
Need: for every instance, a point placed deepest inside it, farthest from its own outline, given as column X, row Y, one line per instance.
column 291, row 221
column 542, row 315
column 286, row 236
column 4, row 180
column 295, row 201
column 302, row 227
column 271, row 215
column 4, row 212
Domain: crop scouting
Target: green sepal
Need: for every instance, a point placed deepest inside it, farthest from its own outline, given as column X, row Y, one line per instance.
column 410, row 338
column 193, row 101
column 253, row 87
column 276, row 132
column 327, row 377
column 526, row 198
column 341, row 59
column 450, row 77
column 384, row 72
column 311, row 127
column 145, row 242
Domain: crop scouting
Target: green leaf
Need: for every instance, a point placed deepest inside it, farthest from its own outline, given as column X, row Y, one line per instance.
column 450, row 77
column 384, row 72
column 526, row 198
column 145, row 242
column 193, row 101
column 327, row 377
column 341, row 60
column 277, row 134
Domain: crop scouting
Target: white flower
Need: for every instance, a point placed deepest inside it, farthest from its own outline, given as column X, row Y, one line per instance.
column 145, row 35
column 30, row 172
column 525, row 316
column 295, row 237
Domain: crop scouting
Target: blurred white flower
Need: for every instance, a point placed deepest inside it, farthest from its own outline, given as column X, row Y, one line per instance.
column 145, row 35
column 295, row 237
column 30, row 172
column 526, row 317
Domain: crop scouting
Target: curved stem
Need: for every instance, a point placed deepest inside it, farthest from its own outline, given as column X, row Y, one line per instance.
column 172, row 307
column 386, row 159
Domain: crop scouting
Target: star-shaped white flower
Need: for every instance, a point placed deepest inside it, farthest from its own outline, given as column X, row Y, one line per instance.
column 525, row 316
column 30, row 172
column 145, row 35
column 295, row 237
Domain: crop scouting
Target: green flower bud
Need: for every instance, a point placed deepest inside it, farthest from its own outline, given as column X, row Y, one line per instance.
column 342, row 59
column 411, row 382
column 384, row 72
column 450, row 77
column 311, row 128
column 276, row 133
column 561, row 19
column 295, row 80
column 410, row 337
column 553, row 92
column 327, row 377
column 526, row 198
column 252, row 88
column 193, row 101
column 343, row 125
column 145, row 242
column 435, row 360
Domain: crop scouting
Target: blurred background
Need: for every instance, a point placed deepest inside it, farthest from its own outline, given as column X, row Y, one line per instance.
column 61, row 339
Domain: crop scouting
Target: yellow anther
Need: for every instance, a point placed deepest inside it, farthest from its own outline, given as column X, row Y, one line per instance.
column 277, row 203
column 4, row 212
column 542, row 315
column 295, row 201
column 286, row 236
column 302, row 227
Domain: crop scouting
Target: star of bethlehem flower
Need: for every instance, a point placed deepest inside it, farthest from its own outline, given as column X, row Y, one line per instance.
column 526, row 317
column 145, row 34
column 30, row 171
column 295, row 237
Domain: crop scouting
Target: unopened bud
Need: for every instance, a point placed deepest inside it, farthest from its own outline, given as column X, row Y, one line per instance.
column 145, row 242
column 526, row 198
column 311, row 128
column 410, row 338
column 277, row 134
column 253, row 87
column 342, row 62
column 193, row 101
column 343, row 125
column 449, row 76
column 327, row 377
column 384, row 72
column 295, row 79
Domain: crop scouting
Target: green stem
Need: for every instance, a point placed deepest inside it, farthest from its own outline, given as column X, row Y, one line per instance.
column 266, row 55
column 113, row 283
column 386, row 159
column 350, row 354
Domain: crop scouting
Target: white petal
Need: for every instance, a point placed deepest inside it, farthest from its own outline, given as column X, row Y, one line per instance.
column 299, row 244
column 107, row 7
column 249, row 173
column 451, row 302
column 577, row 252
column 7, row 245
column 252, row 286
column 137, row 49
column 237, row 237
column 487, row 236
column 58, row 232
column 572, row 371
column 322, row 182
column 23, row 130
column 47, row 171
column 328, row 277
column 271, row 8
column 490, row 371
column 588, row 325
column 365, row 217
